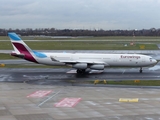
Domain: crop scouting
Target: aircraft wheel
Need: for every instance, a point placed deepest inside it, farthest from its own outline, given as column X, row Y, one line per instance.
column 78, row 71
column 81, row 71
column 140, row 70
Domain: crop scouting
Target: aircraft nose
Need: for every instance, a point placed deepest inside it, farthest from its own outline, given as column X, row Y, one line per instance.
column 154, row 61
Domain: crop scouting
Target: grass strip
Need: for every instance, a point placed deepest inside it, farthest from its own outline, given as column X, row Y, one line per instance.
column 76, row 46
column 87, row 37
column 127, row 82
column 4, row 56
column 80, row 45
column 30, row 66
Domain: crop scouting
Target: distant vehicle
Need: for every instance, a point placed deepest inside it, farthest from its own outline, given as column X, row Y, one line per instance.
column 83, row 62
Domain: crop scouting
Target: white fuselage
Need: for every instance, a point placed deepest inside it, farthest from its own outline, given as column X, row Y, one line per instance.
column 108, row 60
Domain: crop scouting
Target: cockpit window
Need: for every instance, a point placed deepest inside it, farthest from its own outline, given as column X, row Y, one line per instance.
column 151, row 59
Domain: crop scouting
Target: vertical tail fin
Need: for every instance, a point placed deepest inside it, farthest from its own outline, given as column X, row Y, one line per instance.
column 20, row 48
column 18, row 44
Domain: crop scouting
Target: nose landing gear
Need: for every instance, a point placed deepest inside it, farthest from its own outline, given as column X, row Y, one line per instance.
column 140, row 71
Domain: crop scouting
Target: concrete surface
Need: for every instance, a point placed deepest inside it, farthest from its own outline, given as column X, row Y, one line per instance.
column 97, row 103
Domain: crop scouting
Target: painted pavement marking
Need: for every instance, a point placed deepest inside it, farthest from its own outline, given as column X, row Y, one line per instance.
column 128, row 100
column 39, row 94
column 68, row 102
column 49, row 98
column 92, row 71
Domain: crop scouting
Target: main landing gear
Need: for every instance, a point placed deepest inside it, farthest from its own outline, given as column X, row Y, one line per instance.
column 81, row 71
column 141, row 70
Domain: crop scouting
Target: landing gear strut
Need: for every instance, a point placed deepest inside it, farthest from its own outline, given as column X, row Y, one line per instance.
column 141, row 70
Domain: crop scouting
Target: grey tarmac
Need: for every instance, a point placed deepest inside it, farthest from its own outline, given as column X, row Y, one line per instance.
column 63, row 75
column 96, row 102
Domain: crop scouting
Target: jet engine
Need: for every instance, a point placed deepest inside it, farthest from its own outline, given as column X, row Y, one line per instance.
column 97, row 67
column 80, row 66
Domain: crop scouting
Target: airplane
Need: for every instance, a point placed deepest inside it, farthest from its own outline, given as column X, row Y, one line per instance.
column 83, row 62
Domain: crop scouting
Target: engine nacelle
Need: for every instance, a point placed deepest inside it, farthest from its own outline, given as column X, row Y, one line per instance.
column 80, row 66
column 97, row 67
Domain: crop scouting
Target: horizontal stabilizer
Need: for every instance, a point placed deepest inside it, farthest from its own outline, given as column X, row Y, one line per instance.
column 17, row 55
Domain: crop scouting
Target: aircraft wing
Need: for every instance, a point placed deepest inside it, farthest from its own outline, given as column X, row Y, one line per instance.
column 78, row 61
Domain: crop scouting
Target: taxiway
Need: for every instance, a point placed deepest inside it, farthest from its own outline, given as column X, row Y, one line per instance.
column 61, row 76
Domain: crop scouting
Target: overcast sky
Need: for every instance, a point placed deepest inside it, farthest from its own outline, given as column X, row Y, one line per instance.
column 80, row 14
